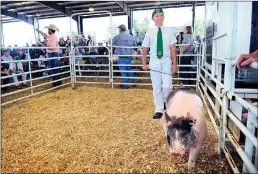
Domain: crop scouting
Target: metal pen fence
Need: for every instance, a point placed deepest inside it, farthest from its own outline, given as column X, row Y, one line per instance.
column 216, row 93
column 219, row 98
column 65, row 72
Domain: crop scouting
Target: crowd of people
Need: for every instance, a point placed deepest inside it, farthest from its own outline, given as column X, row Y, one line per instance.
column 85, row 46
column 36, row 51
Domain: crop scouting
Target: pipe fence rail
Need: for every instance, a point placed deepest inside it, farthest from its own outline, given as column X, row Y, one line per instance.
column 220, row 98
column 107, row 70
column 39, row 78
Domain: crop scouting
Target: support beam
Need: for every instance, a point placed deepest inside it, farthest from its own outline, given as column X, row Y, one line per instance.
column 124, row 6
column 55, row 6
column 2, row 30
column 103, row 15
column 130, row 21
column 193, row 19
column 10, row 5
column 31, row 12
column 50, row 17
column 129, row 13
column 36, row 25
column 79, row 25
column 18, row 16
column 108, row 8
column 94, row 5
column 29, row 8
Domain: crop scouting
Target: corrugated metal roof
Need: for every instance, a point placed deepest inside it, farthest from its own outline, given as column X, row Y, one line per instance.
column 37, row 10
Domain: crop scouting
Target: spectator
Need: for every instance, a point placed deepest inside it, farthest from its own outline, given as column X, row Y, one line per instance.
column 179, row 41
column 90, row 50
column 186, row 50
column 182, row 35
column 22, row 56
column 77, row 55
column 199, row 43
column 68, row 47
column 138, row 39
column 12, row 67
column 83, row 52
column 15, row 51
column 78, row 58
column 62, row 44
column 80, row 44
column 52, row 52
column 102, row 50
column 84, row 42
column 5, row 71
column 18, row 67
column 68, row 43
column 27, row 45
column 127, row 40
column 36, row 53
column 89, row 41
column 245, row 60
column 67, row 40
column 76, row 41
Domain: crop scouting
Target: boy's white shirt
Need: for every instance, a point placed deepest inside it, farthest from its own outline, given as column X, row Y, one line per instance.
column 150, row 40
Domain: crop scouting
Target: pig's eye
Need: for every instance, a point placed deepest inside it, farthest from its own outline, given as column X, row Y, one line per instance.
column 168, row 139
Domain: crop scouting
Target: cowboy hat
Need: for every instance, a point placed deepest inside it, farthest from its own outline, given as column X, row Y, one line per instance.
column 52, row 27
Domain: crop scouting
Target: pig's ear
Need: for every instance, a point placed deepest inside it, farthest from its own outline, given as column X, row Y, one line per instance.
column 168, row 119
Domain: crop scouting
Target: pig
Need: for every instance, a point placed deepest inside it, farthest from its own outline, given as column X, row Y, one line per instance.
column 184, row 124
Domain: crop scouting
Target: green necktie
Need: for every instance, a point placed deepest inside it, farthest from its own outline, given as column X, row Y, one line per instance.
column 159, row 44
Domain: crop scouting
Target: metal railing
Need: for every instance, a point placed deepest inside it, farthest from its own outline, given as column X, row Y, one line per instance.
column 220, row 101
column 136, row 69
column 81, row 71
column 35, row 82
column 109, row 74
column 88, row 67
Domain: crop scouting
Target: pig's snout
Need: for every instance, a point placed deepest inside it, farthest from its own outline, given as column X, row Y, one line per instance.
column 177, row 151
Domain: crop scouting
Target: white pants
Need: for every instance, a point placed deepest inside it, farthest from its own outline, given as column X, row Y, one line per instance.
column 161, row 83
column 15, row 79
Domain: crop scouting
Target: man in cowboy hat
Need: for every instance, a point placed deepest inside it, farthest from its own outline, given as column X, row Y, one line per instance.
column 52, row 41
column 161, row 41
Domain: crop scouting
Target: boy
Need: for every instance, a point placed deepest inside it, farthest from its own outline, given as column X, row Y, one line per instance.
column 161, row 41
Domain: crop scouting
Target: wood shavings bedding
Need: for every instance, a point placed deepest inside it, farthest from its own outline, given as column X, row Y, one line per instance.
column 94, row 129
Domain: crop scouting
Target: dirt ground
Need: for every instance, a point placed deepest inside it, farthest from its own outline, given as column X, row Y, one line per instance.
column 93, row 130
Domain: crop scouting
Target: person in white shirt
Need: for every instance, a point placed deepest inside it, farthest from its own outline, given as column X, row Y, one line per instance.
column 138, row 39
column 14, row 67
column 161, row 41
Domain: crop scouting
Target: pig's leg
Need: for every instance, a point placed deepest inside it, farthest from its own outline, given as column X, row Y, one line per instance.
column 194, row 151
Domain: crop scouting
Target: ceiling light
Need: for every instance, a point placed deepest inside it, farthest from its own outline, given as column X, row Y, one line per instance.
column 157, row 3
column 91, row 9
column 38, row 14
